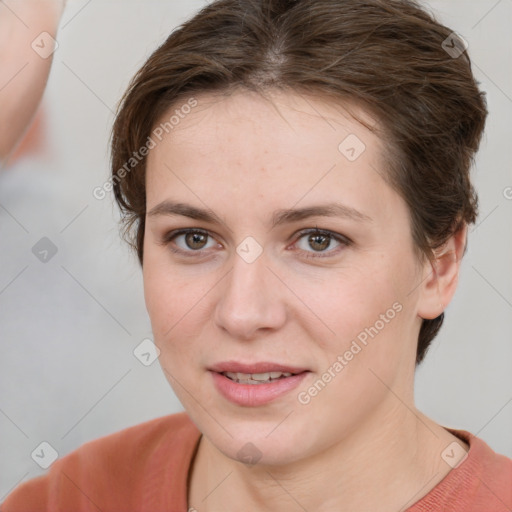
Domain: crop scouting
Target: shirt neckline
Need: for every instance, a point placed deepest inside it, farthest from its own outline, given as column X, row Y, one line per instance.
column 176, row 483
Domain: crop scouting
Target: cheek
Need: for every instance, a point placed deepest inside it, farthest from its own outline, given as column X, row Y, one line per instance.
column 372, row 316
column 175, row 302
column 366, row 354
column 355, row 300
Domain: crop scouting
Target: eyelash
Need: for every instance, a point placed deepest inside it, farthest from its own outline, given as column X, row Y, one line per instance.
column 344, row 241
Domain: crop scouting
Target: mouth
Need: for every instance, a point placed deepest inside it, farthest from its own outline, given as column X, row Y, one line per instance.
column 251, row 385
column 256, row 378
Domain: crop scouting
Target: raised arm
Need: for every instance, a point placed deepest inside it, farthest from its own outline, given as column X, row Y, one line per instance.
column 25, row 60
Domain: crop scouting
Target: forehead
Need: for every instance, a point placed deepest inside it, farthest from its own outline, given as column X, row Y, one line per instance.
column 287, row 123
column 282, row 149
column 278, row 112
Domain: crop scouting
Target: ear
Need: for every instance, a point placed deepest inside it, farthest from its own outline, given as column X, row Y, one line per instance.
column 440, row 277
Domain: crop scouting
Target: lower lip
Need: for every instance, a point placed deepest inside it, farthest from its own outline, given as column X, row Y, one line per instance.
column 252, row 395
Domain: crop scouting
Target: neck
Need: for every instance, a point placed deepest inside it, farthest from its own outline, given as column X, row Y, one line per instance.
column 365, row 471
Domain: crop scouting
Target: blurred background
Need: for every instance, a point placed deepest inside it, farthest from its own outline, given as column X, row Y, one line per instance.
column 72, row 310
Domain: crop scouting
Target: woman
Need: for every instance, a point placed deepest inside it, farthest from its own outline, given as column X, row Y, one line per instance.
column 294, row 176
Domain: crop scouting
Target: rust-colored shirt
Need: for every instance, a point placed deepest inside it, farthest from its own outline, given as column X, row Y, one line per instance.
column 144, row 469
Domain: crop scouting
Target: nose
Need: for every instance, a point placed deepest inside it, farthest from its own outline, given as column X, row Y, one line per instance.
column 251, row 300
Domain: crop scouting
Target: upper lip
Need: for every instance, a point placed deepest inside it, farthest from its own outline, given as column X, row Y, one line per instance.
column 260, row 367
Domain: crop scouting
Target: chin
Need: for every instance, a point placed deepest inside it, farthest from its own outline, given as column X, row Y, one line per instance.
column 259, row 442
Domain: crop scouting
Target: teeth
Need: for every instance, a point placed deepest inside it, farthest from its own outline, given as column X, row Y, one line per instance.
column 256, row 378
column 262, row 376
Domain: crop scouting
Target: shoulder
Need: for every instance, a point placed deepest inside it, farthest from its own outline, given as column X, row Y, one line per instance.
column 112, row 472
column 482, row 480
column 494, row 478
column 140, row 441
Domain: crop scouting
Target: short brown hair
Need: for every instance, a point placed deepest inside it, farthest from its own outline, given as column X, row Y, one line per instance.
column 388, row 55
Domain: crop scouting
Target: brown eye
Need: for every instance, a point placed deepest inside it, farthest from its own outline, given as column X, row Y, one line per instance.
column 195, row 240
column 189, row 242
column 321, row 242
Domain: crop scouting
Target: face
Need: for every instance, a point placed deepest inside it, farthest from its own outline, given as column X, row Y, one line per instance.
column 280, row 275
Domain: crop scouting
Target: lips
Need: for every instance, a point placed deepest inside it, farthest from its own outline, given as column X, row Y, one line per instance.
column 255, row 384
column 261, row 367
column 256, row 378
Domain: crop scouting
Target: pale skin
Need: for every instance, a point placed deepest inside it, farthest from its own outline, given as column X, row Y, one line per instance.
column 360, row 443
column 23, row 72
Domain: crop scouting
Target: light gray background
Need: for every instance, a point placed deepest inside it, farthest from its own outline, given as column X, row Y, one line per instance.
column 68, row 327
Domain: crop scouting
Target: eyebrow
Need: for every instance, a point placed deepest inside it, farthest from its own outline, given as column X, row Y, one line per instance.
column 280, row 217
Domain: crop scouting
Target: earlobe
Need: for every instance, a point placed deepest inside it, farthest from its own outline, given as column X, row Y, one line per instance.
column 440, row 277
